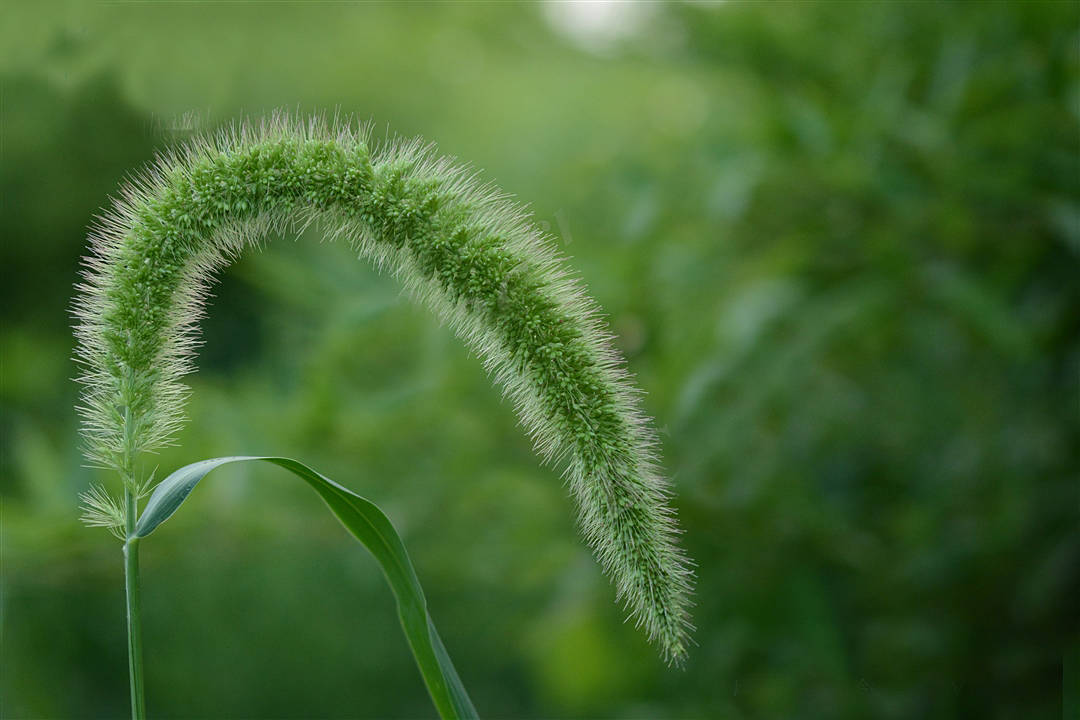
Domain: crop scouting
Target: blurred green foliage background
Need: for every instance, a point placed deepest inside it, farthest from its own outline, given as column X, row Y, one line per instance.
column 839, row 244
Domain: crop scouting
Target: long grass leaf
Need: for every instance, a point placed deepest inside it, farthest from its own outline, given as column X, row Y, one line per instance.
column 370, row 526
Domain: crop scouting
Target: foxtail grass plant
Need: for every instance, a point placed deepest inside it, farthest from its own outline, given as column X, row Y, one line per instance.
column 461, row 248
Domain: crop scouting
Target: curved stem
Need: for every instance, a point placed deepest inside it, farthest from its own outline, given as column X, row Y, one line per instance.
column 134, row 605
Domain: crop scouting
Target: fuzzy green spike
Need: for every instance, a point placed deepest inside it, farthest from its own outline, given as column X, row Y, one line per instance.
column 460, row 247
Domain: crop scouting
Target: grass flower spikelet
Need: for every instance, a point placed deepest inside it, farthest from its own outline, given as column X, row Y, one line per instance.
column 102, row 510
column 459, row 246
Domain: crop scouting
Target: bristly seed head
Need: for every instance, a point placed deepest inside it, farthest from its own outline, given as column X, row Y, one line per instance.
column 461, row 247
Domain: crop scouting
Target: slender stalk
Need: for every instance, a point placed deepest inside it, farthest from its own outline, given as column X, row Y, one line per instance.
column 134, row 606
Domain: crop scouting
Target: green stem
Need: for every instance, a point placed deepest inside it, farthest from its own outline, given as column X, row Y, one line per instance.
column 134, row 605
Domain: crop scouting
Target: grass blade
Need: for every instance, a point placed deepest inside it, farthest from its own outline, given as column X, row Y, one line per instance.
column 370, row 526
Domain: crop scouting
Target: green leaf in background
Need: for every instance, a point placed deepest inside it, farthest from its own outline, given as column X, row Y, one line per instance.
column 370, row 526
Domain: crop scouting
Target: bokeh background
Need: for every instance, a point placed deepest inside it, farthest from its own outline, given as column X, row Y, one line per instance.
column 839, row 244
